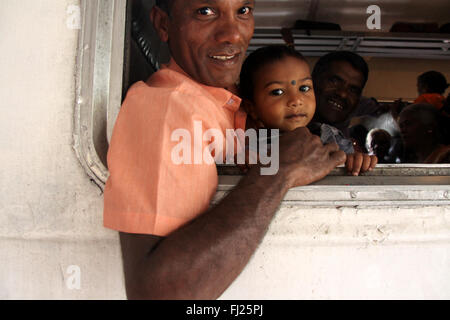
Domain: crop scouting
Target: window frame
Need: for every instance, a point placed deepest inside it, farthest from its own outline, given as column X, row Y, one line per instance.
column 99, row 82
column 99, row 79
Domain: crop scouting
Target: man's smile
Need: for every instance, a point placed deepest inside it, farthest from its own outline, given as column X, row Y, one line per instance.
column 226, row 60
column 223, row 58
column 337, row 104
column 226, row 56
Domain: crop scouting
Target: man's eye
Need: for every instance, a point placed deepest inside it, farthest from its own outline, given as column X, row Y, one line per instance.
column 276, row 92
column 245, row 10
column 304, row 88
column 355, row 90
column 205, row 11
column 334, row 80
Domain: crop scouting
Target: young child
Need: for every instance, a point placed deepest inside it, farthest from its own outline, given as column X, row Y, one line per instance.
column 431, row 86
column 277, row 92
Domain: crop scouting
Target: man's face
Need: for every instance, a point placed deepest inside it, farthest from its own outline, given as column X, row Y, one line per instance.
column 412, row 130
column 208, row 38
column 338, row 90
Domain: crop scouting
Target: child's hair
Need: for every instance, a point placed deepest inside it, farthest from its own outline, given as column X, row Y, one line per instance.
column 258, row 59
column 434, row 82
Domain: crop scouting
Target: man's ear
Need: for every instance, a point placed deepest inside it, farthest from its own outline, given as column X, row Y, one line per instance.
column 160, row 20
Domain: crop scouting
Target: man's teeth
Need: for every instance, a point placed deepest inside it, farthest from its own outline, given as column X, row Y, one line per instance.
column 337, row 105
column 223, row 58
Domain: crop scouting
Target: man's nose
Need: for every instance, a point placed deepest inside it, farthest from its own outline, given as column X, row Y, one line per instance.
column 342, row 91
column 228, row 31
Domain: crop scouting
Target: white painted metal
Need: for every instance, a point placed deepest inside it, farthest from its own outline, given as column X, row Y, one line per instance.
column 99, row 82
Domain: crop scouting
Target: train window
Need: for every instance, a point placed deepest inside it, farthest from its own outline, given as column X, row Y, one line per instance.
column 117, row 47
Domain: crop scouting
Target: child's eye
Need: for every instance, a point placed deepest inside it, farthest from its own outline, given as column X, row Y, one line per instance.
column 304, row 88
column 276, row 92
column 205, row 11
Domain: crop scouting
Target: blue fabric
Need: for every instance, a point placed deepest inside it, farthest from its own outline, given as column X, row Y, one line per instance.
column 330, row 134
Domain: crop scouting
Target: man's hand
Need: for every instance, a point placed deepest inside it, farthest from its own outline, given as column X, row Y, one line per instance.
column 360, row 162
column 304, row 159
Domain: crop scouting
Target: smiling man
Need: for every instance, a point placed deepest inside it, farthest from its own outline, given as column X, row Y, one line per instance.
column 339, row 79
column 173, row 245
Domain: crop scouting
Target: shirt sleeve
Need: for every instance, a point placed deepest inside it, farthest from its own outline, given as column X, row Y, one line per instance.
column 330, row 134
column 148, row 191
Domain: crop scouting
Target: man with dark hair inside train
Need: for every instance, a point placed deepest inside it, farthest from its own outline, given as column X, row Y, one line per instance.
column 431, row 87
column 174, row 246
column 423, row 135
column 339, row 78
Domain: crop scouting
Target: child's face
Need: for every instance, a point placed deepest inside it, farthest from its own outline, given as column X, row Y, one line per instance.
column 283, row 96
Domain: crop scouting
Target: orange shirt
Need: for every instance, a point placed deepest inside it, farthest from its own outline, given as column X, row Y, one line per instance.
column 435, row 99
column 146, row 192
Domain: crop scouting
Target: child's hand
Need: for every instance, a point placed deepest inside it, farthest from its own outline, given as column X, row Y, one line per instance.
column 360, row 162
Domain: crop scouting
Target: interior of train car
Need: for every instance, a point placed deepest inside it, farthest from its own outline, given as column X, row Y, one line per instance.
column 399, row 40
column 409, row 37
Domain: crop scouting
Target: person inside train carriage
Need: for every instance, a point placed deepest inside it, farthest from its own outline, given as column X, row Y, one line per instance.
column 445, row 113
column 174, row 244
column 359, row 133
column 339, row 78
column 431, row 87
column 422, row 135
column 277, row 91
column 378, row 142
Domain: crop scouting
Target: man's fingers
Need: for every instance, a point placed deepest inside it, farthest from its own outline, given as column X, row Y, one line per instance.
column 332, row 147
column 338, row 157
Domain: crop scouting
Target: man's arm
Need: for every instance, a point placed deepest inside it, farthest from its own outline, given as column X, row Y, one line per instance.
column 201, row 259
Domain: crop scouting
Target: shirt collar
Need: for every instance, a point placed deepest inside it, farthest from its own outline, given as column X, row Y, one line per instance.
column 221, row 96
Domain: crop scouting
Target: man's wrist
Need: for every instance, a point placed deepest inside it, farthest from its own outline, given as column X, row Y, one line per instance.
column 280, row 180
